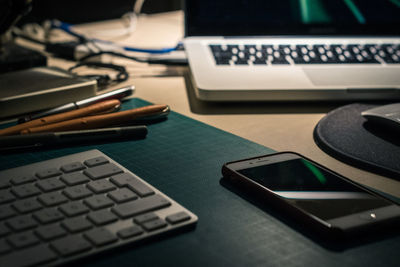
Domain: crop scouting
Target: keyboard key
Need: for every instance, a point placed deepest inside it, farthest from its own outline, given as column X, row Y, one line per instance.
column 22, row 240
column 133, row 183
column 96, row 161
column 145, row 218
column 77, row 224
column 101, row 186
column 26, row 190
column 77, row 192
column 48, row 216
column 50, row 232
column 51, row 199
column 98, row 202
column 4, row 230
column 20, row 223
column 178, row 217
column 102, row 217
column 27, row 205
column 71, row 245
column 51, row 172
column 130, row 232
column 6, row 212
column 4, row 246
column 136, row 207
column 103, row 171
column 100, row 237
column 51, row 184
column 72, row 167
column 73, row 208
column 74, row 178
column 23, row 179
column 29, row 257
column 122, row 195
column 4, row 183
column 154, row 225
column 6, row 196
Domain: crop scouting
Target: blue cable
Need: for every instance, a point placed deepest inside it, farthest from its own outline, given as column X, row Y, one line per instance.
column 66, row 27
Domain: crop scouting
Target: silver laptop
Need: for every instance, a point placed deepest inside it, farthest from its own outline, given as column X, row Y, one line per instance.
column 283, row 50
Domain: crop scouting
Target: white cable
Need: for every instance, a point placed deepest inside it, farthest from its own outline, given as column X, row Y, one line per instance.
column 137, row 8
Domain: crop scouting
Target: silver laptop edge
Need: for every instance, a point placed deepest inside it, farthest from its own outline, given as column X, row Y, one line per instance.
column 289, row 82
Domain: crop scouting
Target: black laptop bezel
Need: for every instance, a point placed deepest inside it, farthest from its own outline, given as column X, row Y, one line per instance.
column 194, row 28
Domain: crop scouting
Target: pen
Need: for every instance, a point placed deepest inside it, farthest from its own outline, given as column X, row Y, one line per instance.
column 60, row 138
column 101, row 107
column 115, row 94
column 100, row 121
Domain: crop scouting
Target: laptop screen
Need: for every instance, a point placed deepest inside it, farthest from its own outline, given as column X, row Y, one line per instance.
column 292, row 17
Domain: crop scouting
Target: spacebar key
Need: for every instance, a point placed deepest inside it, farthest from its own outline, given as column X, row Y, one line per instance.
column 29, row 257
column 140, row 206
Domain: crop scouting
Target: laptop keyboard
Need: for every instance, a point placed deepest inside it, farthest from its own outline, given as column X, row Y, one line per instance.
column 306, row 54
column 67, row 208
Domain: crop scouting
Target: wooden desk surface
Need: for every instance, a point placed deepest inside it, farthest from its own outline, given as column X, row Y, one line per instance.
column 283, row 127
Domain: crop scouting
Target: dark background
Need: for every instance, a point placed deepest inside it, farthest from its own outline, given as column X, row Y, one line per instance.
column 80, row 11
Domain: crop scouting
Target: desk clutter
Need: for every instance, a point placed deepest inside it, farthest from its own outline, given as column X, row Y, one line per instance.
column 182, row 158
column 82, row 123
column 66, row 208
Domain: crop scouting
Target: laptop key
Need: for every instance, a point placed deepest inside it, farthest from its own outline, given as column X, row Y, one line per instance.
column 50, row 184
column 71, row 245
column 73, row 208
column 178, row 217
column 122, row 195
column 4, row 230
column 98, row 202
column 50, row 232
column 4, row 246
column 133, row 183
column 130, row 232
column 139, row 206
column 96, row 161
column 4, row 183
column 145, row 218
column 20, row 223
column 77, row 192
column 48, row 215
column 154, row 225
column 77, row 224
column 72, row 167
column 51, row 199
column 26, row 190
column 101, row 186
column 29, row 257
column 51, row 172
column 74, row 178
column 100, row 237
column 102, row 217
column 103, row 171
column 22, row 240
column 6, row 196
column 6, row 212
column 27, row 205
column 23, row 179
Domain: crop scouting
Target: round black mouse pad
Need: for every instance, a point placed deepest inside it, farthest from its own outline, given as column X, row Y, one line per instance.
column 347, row 136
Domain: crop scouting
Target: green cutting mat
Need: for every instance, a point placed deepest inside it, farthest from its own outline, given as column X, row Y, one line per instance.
column 183, row 158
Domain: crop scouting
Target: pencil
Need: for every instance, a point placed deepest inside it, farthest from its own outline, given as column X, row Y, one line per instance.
column 92, row 109
column 99, row 121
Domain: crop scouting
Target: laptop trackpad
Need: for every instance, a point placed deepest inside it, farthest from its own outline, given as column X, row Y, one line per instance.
column 353, row 77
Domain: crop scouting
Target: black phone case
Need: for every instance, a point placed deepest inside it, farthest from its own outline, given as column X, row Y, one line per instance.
column 307, row 220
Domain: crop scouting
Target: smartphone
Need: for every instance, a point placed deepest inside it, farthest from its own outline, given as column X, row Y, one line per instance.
column 312, row 194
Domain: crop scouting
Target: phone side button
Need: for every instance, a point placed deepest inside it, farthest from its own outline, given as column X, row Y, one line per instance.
column 368, row 216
